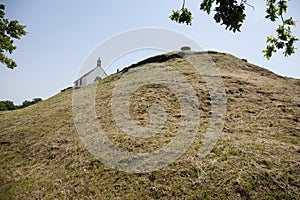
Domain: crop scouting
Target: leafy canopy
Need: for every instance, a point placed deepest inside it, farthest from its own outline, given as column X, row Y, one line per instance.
column 231, row 14
column 9, row 30
column 9, row 105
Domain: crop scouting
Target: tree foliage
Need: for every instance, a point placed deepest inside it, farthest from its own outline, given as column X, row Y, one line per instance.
column 231, row 14
column 285, row 39
column 9, row 105
column 182, row 16
column 29, row 103
column 9, row 30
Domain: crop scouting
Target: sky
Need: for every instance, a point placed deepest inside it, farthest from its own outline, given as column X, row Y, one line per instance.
column 63, row 33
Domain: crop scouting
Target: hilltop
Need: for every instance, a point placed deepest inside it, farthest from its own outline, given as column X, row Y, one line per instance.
column 256, row 157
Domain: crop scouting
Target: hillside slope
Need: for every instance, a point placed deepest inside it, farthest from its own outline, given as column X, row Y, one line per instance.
column 256, row 157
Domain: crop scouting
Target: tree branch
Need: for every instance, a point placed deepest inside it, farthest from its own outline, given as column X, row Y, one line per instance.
column 245, row 2
column 281, row 16
column 183, row 4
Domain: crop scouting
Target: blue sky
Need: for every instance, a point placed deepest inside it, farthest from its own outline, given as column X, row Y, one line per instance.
column 62, row 33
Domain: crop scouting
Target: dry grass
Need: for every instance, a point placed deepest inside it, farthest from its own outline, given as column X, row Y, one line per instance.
column 256, row 157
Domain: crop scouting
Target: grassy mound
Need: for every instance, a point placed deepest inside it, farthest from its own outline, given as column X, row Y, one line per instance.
column 256, row 157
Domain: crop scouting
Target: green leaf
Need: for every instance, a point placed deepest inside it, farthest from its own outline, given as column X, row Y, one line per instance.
column 269, row 51
column 290, row 22
column 271, row 11
column 182, row 16
column 175, row 16
column 271, row 39
column 9, row 30
column 282, row 7
column 206, row 6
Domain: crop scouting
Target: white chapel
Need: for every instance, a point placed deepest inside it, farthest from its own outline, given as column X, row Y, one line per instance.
column 92, row 76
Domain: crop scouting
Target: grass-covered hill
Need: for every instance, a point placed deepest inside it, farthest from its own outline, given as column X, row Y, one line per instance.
column 256, row 157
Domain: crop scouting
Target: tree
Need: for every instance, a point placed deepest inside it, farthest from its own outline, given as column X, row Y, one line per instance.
column 9, row 30
column 29, row 103
column 232, row 14
column 2, row 106
column 7, row 105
